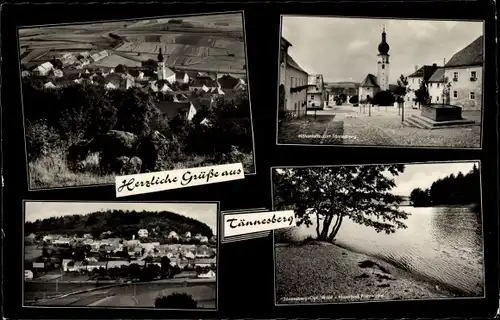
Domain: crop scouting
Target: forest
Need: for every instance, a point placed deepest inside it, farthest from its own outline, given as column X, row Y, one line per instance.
column 453, row 189
column 122, row 224
column 57, row 118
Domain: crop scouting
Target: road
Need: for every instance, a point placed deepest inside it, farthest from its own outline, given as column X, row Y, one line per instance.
column 139, row 294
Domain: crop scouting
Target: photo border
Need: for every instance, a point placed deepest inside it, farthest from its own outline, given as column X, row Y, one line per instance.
column 484, row 280
column 18, row 28
column 481, row 131
column 201, row 310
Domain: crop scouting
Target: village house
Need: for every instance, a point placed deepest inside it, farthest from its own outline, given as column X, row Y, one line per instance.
column 182, row 77
column 99, row 55
column 436, row 85
column 465, row 73
column 208, row 275
column 171, row 109
column 203, row 83
column 315, row 92
column 43, row 69
column 422, row 74
column 30, row 239
column 142, row 233
column 187, row 235
column 293, row 83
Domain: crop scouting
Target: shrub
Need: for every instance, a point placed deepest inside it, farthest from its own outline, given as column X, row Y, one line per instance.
column 40, row 139
column 384, row 98
column 176, row 301
column 354, row 99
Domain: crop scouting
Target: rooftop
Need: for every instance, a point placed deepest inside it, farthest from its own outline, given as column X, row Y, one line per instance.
column 468, row 56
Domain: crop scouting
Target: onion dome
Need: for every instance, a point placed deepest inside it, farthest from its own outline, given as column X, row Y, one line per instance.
column 383, row 47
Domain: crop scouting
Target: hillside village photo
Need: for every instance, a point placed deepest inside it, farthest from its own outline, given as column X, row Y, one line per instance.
column 380, row 82
column 129, row 97
column 138, row 255
column 379, row 232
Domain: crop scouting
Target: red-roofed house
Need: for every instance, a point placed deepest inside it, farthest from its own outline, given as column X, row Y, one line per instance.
column 465, row 73
column 293, row 83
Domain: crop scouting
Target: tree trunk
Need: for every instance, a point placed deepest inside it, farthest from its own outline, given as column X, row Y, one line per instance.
column 326, row 227
column 336, row 229
column 317, row 225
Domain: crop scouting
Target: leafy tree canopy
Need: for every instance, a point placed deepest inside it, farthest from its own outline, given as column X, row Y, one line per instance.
column 360, row 193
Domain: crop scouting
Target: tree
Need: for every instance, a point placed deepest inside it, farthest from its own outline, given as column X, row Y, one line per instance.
column 121, row 68
column 422, row 94
column 176, row 301
column 420, row 197
column 150, row 64
column 360, row 193
column 165, row 265
column 402, row 89
column 354, row 99
column 446, row 92
column 383, row 98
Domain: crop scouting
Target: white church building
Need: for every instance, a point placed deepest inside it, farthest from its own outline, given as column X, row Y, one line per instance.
column 372, row 84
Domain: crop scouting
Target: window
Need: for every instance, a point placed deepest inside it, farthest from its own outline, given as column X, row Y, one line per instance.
column 455, row 76
column 430, row 84
column 291, row 82
column 437, row 98
column 412, row 80
column 383, row 66
column 455, row 94
column 472, row 96
column 408, row 99
column 312, row 97
column 473, row 74
column 295, row 106
column 437, row 84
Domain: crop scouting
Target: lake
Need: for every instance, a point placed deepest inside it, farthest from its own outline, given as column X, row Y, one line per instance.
column 441, row 244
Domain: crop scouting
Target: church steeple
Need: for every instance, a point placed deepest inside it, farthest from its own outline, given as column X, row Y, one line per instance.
column 160, row 56
column 383, row 47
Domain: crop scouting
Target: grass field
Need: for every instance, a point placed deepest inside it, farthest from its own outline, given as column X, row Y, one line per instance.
column 190, row 43
column 52, row 171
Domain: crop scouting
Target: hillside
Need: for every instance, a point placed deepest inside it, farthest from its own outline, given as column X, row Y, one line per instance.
column 121, row 223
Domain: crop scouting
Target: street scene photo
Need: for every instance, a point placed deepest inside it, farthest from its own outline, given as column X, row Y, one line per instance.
column 379, row 233
column 123, row 255
column 380, row 82
column 127, row 97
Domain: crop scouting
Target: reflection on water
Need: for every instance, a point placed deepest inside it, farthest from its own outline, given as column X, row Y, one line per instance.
column 442, row 244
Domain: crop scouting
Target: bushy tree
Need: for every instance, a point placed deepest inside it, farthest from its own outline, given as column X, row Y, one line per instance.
column 40, row 139
column 402, row 89
column 360, row 193
column 384, row 98
column 420, row 197
column 354, row 99
column 422, row 94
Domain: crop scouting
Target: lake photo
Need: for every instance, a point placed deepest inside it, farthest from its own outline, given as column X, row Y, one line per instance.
column 429, row 246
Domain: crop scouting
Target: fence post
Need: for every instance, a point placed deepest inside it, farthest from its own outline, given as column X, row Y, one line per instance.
column 315, row 114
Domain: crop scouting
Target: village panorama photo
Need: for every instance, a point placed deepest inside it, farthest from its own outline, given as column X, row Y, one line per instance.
column 123, row 255
column 379, row 233
column 380, row 82
column 126, row 97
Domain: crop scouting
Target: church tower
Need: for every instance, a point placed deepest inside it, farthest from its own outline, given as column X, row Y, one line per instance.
column 383, row 64
column 161, row 72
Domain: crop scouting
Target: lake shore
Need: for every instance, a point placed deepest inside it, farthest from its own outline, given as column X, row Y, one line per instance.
column 318, row 272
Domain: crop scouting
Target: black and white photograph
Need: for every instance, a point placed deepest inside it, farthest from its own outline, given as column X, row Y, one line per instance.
column 122, row 255
column 379, row 233
column 133, row 96
column 380, row 82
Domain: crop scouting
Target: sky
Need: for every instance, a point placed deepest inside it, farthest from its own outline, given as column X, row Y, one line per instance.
column 345, row 49
column 423, row 175
column 203, row 212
